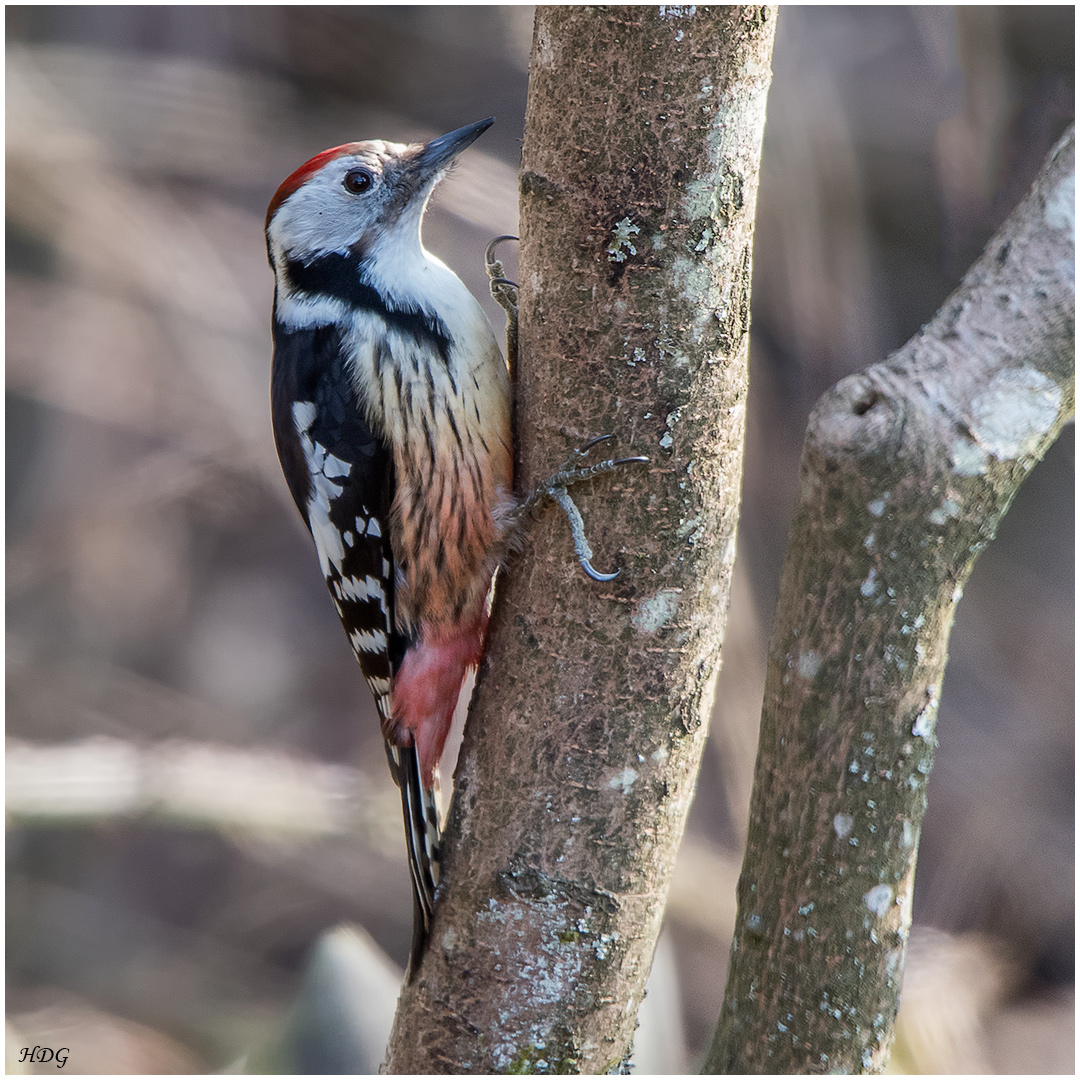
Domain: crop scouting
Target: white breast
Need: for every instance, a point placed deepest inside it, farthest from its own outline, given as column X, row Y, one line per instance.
column 401, row 379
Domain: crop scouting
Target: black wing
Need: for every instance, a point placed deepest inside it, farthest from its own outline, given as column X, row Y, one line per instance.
column 341, row 476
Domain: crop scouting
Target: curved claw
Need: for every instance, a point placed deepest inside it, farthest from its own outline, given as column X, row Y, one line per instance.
column 489, row 254
column 577, row 531
column 503, row 281
column 595, row 574
column 581, row 450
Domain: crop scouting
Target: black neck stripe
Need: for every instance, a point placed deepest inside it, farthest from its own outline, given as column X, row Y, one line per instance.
column 341, row 277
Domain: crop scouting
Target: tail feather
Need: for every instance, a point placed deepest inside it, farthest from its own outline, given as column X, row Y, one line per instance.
column 423, row 838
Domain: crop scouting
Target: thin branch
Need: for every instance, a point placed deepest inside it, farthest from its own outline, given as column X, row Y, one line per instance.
column 907, row 470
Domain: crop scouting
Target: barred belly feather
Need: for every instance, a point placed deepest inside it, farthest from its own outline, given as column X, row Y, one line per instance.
column 451, row 483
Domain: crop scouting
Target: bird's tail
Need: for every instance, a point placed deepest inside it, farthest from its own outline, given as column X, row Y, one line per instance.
column 422, row 839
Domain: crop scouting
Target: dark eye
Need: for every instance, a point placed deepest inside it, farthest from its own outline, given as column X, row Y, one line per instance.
column 358, row 181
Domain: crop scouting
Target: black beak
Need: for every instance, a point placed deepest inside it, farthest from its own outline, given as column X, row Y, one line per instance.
column 445, row 148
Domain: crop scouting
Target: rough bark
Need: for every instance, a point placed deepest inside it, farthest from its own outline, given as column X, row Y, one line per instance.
column 907, row 469
column 638, row 187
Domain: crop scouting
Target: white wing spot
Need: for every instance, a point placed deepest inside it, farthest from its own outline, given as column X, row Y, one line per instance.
column 303, row 413
column 368, row 588
column 334, row 466
column 371, row 642
column 321, row 466
column 373, row 528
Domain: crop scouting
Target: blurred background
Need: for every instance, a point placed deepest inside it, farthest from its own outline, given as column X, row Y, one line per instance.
column 197, row 795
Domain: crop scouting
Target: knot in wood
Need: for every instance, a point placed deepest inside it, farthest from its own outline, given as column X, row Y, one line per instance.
column 861, row 416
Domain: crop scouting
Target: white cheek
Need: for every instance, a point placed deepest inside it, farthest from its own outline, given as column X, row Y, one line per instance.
column 321, row 217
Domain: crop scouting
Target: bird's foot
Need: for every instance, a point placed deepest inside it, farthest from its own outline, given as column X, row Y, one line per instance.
column 502, row 288
column 556, row 487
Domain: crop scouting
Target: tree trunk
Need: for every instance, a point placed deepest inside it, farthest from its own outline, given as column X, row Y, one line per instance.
column 638, row 186
column 907, row 469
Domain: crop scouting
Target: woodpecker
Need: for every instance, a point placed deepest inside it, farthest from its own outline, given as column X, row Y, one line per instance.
column 390, row 401
column 391, row 412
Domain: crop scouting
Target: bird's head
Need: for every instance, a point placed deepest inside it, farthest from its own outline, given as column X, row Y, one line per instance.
column 356, row 198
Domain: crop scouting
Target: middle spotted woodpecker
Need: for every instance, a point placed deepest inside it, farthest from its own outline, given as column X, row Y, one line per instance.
column 391, row 413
